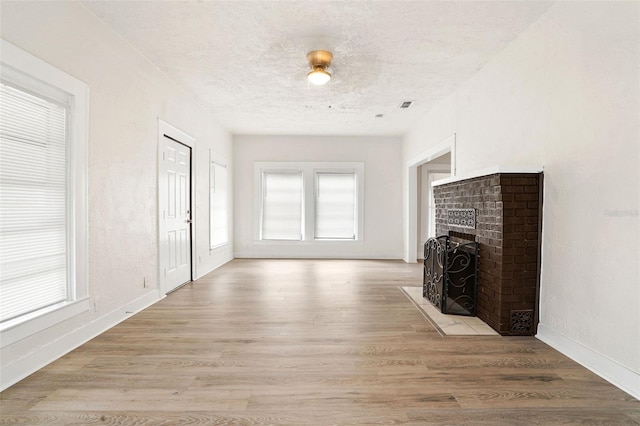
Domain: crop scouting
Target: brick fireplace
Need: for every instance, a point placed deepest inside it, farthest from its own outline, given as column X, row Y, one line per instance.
column 508, row 218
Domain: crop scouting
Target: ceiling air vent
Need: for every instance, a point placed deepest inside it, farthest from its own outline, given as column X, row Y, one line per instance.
column 406, row 104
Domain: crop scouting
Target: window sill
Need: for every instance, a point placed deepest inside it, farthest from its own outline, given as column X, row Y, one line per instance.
column 23, row 327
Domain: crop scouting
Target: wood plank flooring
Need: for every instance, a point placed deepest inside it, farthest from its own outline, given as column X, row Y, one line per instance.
column 308, row 342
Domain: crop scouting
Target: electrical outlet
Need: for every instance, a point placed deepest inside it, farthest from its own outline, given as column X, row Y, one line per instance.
column 144, row 282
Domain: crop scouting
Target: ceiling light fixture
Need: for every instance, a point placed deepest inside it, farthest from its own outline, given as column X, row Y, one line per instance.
column 319, row 62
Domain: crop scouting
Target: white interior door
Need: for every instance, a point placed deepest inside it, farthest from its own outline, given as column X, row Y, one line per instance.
column 175, row 213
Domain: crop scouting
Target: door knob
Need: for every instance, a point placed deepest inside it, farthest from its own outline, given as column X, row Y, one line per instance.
column 188, row 221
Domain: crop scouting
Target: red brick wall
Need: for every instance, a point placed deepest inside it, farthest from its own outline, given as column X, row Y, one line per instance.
column 507, row 229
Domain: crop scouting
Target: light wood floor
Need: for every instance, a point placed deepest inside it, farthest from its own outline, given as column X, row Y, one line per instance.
column 308, row 342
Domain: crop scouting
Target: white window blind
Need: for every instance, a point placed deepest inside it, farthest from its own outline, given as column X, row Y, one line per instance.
column 218, row 208
column 336, row 206
column 282, row 202
column 33, row 202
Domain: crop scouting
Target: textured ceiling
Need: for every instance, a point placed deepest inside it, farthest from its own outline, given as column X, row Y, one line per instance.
column 247, row 60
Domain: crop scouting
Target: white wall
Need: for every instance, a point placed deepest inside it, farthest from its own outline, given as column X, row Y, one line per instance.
column 127, row 96
column 382, row 198
column 565, row 94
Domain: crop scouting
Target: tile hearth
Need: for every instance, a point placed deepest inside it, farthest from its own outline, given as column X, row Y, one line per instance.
column 447, row 325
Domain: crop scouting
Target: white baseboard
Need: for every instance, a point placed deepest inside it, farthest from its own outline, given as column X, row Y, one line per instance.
column 357, row 256
column 46, row 354
column 611, row 371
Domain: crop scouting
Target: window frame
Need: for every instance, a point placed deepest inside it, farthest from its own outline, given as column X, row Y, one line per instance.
column 37, row 77
column 309, row 171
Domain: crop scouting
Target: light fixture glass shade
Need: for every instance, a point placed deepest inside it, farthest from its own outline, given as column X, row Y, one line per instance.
column 318, row 76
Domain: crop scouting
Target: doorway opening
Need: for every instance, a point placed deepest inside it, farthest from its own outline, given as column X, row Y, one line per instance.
column 436, row 169
column 428, row 163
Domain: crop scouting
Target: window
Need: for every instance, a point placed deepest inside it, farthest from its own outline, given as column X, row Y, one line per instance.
column 309, row 203
column 336, row 204
column 33, row 197
column 42, row 194
column 282, row 203
column 218, row 226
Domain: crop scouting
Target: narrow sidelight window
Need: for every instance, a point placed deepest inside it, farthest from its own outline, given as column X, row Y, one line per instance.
column 218, row 207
